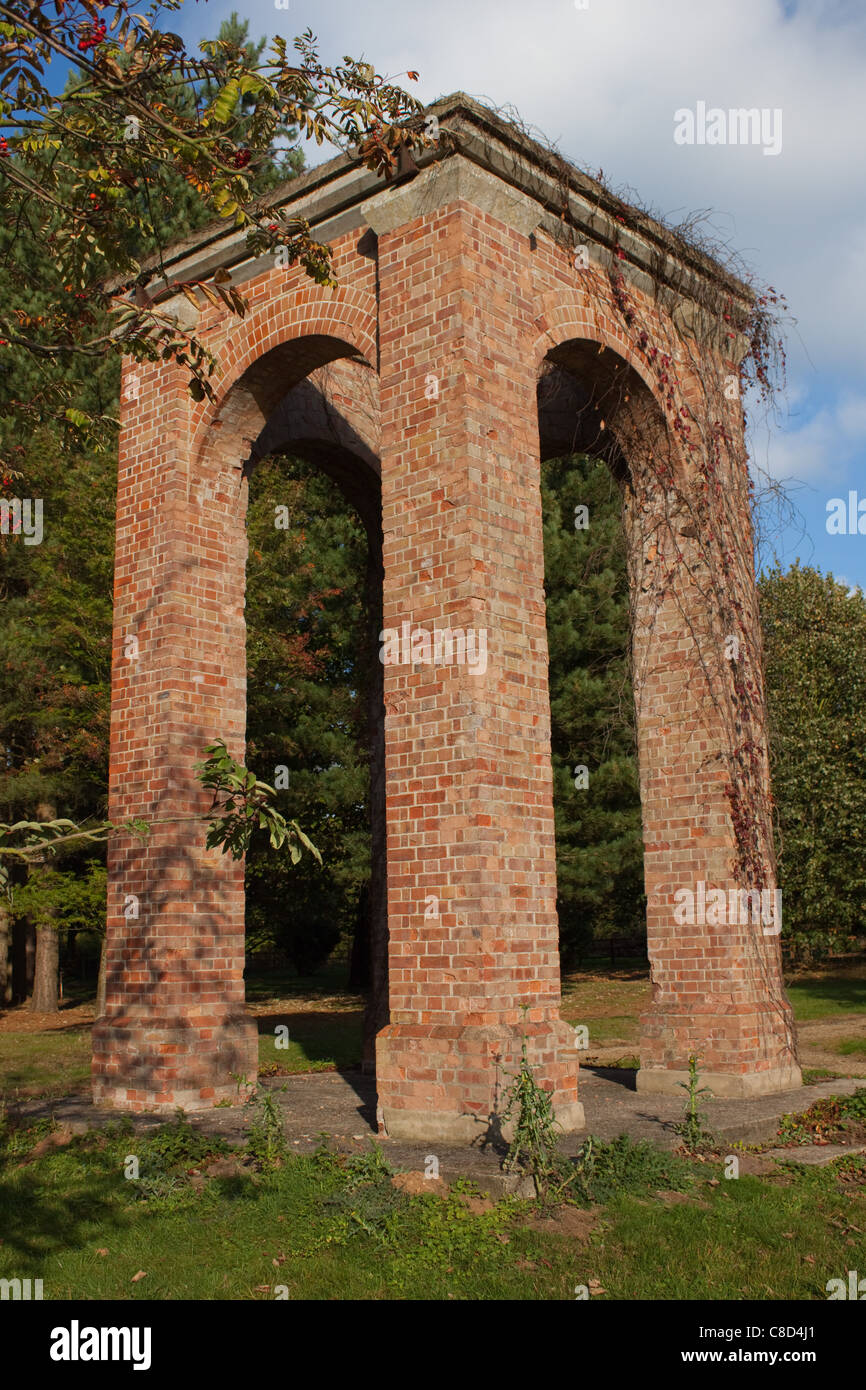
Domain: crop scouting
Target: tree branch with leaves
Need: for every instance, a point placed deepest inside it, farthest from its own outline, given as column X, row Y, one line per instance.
column 88, row 171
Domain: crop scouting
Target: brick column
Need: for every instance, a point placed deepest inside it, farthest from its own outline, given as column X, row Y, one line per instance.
column 471, row 868
column 713, row 912
column 174, row 1032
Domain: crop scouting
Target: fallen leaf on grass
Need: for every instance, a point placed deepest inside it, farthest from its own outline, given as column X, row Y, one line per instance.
column 103, row 1251
column 142, row 1274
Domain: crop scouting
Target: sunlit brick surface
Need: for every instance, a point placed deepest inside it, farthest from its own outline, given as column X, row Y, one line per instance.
column 456, row 313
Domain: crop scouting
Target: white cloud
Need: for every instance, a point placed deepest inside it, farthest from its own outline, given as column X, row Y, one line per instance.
column 604, row 83
column 820, row 450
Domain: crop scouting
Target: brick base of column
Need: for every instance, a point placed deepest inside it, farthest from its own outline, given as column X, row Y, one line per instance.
column 742, row 1051
column 156, row 1061
column 448, row 1083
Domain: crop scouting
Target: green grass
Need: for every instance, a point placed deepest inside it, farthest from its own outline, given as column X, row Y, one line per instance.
column 851, row 1047
column 327, row 1230
column 754, row 1239
column 316, row 1042
column 53, row 1063
column 611, row 1028
column 820, row 996
column 262, row 985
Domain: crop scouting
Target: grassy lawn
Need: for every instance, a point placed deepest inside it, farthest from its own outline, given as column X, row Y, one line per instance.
column 826, row 995
column 324, row 1021
column 49, row 1064
column 316, row 1042
column 325, row 1229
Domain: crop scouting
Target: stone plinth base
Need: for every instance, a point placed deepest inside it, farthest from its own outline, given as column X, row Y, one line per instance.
column 430, row 1126
column 746, row 1048
column 724, row 1085
column 142, row 1062
column 449, row 1082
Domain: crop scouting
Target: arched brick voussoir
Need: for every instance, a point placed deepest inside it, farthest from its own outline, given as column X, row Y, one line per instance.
column 278, row 344
column 616, row 391
column 565, row 318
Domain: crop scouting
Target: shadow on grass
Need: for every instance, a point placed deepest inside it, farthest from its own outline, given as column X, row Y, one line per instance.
column 79, row 1198
column 321, row 1039
column 40, row 1215
column 811, row 995
column 261, row 985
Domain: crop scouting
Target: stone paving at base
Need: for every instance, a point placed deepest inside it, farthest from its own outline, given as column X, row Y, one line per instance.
column 342, row 1105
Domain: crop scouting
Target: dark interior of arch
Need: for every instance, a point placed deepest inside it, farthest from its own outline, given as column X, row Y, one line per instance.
column 582, row 389
column 270, row 376
column 305, row 424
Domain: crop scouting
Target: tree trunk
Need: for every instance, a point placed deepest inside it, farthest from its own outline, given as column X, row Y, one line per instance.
column 23, row 959
column 47, row 968
column 44, row 1000
column 100, row 984
column 360, row 959
column 5, row 950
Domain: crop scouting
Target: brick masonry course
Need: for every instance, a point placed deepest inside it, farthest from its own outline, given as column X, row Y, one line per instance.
column 428, row 354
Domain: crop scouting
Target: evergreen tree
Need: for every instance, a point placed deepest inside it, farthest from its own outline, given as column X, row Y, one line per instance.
column 306, row 709
column 55, row 636
column 815, row 663
column 599, row 845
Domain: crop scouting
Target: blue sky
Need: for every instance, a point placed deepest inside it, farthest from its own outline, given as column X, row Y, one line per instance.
column 603, row 79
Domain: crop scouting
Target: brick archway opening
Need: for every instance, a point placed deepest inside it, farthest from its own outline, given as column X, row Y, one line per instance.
column 330, row 421
column 716, row 987
column 174, row 1031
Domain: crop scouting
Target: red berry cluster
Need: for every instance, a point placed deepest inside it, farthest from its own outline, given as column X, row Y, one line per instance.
column 242, row 159
column 4, row 147
column 96, row 37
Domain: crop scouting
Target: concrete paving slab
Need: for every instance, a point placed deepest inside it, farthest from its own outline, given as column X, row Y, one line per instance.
column 342, row 1105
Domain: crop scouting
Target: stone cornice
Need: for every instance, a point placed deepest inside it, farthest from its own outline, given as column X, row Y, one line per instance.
column 492, row 163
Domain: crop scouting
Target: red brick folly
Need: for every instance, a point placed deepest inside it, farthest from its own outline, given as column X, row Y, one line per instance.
column 494, row 306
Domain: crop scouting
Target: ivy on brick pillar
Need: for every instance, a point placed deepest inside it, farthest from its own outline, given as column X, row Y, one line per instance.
column 173, row 1032
column 473, row 961
column 713, row 909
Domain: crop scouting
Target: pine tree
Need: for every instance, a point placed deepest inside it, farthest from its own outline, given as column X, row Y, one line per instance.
column 599, row 846
column 306, row 685
column 55, row 635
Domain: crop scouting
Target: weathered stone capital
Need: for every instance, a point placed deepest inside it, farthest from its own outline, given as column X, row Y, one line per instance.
column 447, row 182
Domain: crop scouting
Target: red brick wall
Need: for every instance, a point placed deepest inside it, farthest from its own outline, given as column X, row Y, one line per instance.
column 477, row 305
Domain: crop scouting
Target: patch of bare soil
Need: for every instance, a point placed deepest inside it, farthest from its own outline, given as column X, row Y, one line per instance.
column 756, row 1166
column 57, row 1139
column 416, row 1185
column 22, row 1019
column 573, row 1223
column 816, row 1039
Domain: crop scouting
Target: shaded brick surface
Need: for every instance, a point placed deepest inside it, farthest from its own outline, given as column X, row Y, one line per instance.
column 456, row 315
